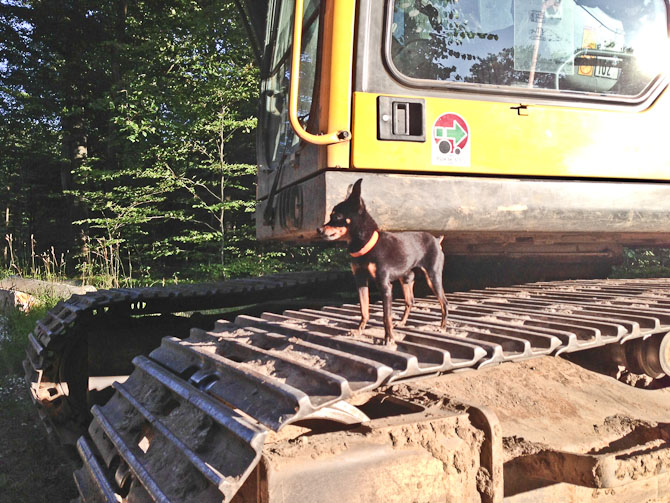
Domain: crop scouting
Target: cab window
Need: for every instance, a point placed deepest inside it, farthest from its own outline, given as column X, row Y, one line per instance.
column 607, row 47
column 277, row 140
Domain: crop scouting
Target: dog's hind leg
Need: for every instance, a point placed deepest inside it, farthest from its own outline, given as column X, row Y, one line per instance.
column 434, row 279
column 407, row 283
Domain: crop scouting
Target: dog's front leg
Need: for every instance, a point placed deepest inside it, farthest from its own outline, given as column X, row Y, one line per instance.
column 387, row 301
column 363, row 297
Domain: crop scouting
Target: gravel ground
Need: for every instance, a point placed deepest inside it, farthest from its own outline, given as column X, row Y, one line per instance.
column 32, row 470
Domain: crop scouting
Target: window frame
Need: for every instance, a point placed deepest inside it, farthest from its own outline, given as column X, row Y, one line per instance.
column 270, row 68
column 653, row 89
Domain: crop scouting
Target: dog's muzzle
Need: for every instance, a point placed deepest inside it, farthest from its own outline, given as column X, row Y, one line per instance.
column 331, row 233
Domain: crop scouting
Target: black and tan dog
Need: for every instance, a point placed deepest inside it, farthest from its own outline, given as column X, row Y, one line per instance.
column 385, row 257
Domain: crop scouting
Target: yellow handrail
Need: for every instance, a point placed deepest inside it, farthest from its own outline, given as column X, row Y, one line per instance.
column 320, row 139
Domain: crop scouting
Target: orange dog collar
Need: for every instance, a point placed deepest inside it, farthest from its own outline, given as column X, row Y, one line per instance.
column 368, row 246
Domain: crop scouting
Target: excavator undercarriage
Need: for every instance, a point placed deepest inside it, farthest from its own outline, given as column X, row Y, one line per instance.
column 521, row 399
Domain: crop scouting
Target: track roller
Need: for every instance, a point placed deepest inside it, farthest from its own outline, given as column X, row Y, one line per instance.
column 649, row 356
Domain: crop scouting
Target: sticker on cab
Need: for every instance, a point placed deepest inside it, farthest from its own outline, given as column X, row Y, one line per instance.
column 451, row 141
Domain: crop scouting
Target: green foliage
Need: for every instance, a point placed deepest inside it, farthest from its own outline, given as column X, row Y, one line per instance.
column 15, row 325
column 127, row 142
column 644, row 263
column 185, row 87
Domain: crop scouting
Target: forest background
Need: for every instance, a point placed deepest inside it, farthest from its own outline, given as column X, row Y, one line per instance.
column 127, row 144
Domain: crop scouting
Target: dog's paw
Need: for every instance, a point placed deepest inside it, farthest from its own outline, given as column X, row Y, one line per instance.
column 355, row 333
column 390, row 344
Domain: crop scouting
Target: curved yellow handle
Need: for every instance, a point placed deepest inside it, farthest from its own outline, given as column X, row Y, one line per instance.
column 321, row 139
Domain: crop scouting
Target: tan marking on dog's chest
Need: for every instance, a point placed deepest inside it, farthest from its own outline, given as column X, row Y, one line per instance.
column 370, row 268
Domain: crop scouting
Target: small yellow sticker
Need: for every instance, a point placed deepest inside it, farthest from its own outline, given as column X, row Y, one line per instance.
column 588, row 42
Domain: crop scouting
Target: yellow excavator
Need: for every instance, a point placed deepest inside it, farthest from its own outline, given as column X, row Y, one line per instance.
column 532, row 135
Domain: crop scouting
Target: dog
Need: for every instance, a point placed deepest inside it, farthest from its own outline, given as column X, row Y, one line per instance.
column 385, row 257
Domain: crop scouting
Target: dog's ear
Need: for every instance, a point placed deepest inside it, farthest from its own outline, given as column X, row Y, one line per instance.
column 355, row 192
column 354, row 196
column 354, row 186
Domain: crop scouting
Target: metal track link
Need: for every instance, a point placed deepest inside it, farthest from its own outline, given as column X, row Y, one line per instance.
column 58, row 342
column 257, row 374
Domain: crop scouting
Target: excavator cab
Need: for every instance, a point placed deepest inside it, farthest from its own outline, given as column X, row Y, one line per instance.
column 529, row 131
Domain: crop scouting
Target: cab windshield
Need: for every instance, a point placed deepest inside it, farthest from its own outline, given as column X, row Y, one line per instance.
column 608, row 47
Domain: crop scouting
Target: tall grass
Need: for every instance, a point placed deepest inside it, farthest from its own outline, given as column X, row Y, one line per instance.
column 15, row 325
column 47, row 265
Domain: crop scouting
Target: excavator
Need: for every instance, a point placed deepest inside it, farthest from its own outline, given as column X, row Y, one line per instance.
column 531, row 134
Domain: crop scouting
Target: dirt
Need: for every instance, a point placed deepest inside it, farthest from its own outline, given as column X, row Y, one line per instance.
column 506, row 319
column 524, row 294
column 322, row 321
column 452, row 443
column 267, row 364
column 178, row 477
column 484, row 482
column 422, row 304
column 517, row 447
column 636, row 380
column 635, row 468
column 567, row 288
column 557, row 403
column 497, row 300
column 620, row 425
column 32, row 469
column 561, row 308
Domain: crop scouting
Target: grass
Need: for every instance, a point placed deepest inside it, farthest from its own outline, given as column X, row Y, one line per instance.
column 15, row 325
column 32, row 469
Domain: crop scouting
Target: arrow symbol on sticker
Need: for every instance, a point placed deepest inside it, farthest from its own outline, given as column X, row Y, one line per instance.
column 456, row 133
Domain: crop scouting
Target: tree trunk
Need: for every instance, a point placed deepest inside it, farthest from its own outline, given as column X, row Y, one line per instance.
column 75, row 84
column 120, row 15
column 75, row 151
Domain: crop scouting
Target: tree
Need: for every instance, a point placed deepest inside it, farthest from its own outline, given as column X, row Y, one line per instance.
column 186, row 86
column 137, row 119
column 29, row 138
column 153, row 105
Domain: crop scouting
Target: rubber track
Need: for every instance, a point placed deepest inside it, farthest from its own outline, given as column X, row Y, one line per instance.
column 233, row 384
column 70, row 322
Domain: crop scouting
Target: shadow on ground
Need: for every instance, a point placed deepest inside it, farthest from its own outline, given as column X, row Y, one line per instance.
column 32, row 469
